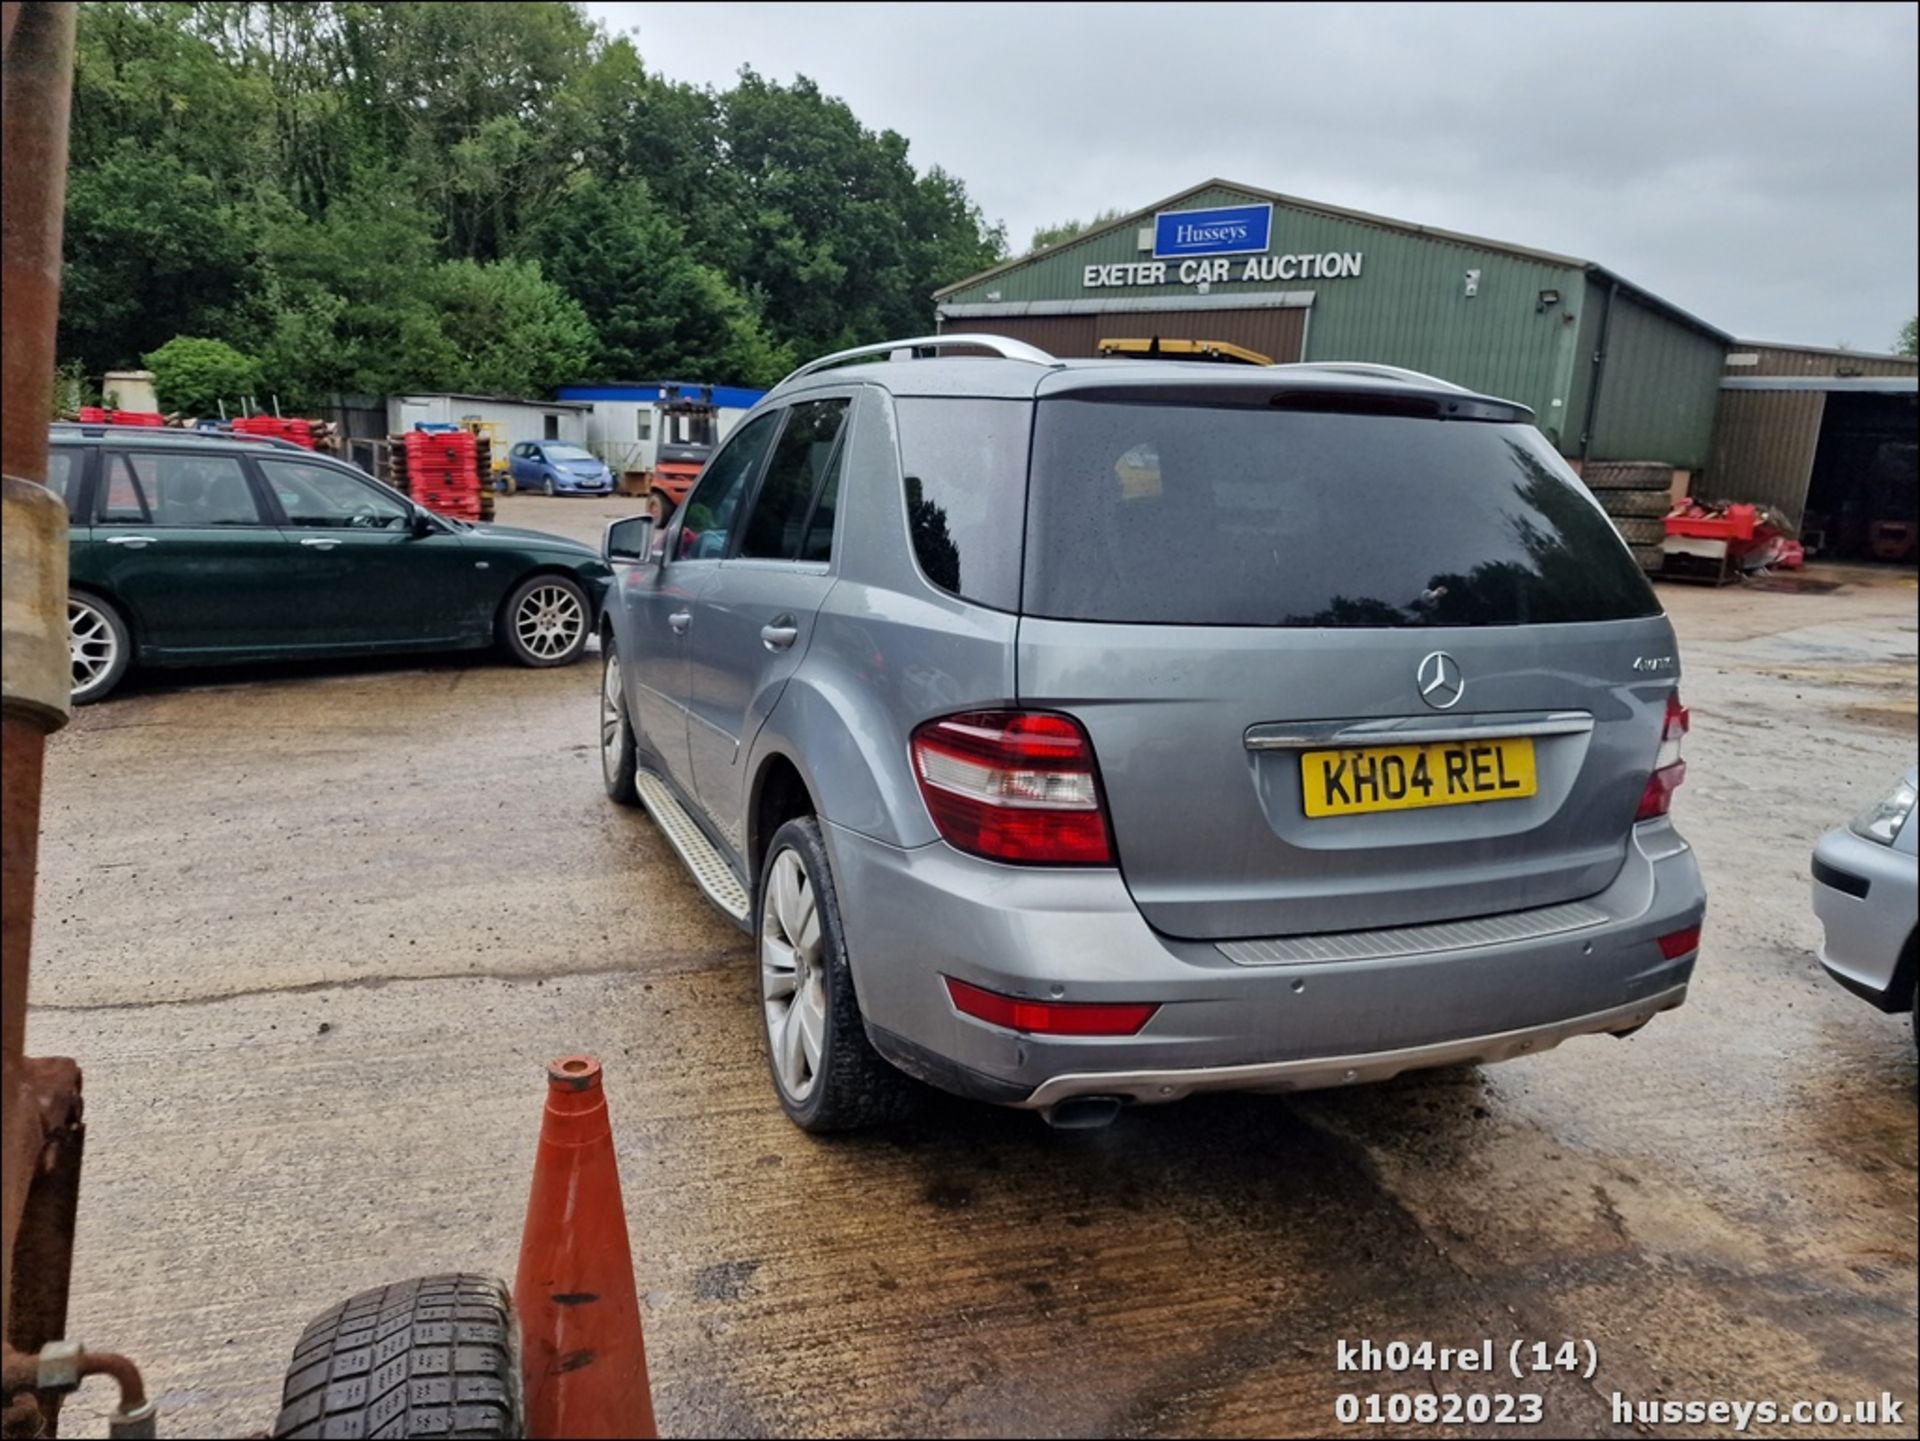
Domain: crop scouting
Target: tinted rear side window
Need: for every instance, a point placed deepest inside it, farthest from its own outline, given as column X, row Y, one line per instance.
column 62, row 466
column 965, row 468
column 1189, row 515
column 807, row 447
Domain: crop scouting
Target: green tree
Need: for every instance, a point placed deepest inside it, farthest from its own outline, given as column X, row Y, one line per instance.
column 295, row 180
column 510, row 329
column 1048, row 236
column 152, row 251
column 1909, row 342
column 192, row 374
column 840, row 238
column 660, row 311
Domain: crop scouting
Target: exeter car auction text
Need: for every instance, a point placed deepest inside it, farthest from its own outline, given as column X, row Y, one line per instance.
column 1334, row 265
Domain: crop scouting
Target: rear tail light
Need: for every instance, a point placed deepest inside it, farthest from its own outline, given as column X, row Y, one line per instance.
column 1668, row 769
column 1676, row 944
column 1016, row 786
column 1051, row 1018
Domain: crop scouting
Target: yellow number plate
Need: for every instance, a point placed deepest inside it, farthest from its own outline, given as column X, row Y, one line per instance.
column 1405, row 778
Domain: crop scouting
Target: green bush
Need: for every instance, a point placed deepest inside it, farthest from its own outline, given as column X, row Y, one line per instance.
column 192, row 374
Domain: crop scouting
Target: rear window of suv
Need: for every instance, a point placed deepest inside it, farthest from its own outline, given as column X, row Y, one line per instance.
column 964, row 464
column 1213, row 515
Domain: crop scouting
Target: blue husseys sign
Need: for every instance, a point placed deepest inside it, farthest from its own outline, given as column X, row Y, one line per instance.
column 1231, row 230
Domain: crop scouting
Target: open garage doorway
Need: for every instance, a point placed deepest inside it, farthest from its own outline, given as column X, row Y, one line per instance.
column 1863, row 497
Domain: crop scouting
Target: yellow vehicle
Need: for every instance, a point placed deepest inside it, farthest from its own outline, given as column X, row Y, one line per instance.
column 1157, row 349
column 496, row 442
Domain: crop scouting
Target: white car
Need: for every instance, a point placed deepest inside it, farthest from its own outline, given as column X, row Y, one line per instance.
column 1864, row 890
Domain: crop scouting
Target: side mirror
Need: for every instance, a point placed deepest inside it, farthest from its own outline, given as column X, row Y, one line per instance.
column 423, row 524
column 629, row 539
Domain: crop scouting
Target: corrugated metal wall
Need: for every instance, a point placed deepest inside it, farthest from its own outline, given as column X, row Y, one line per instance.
column 1795, row 360
column 1276, row 333
column 1763, row 447
column 1658, row 387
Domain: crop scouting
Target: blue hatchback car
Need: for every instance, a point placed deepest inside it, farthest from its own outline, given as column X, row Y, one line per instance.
column 554, row 467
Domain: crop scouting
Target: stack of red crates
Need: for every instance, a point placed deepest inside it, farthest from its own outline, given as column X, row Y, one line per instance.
column 290, row 427
column 96, row 415
column 441, row 473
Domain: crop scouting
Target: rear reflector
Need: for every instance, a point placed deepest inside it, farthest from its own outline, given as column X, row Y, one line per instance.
column 1677, row 943
column 1050, row 1018
column 1013, row 786
column 1668, row 769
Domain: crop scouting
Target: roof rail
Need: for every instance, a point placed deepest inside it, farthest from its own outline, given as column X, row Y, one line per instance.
column 911, row 349
column 1383, row 372
column 98, row 429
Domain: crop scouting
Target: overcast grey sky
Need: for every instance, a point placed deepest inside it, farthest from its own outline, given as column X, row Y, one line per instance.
column 1754, row 164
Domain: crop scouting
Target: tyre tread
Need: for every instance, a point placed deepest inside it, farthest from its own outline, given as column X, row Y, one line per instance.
column 434, row 1356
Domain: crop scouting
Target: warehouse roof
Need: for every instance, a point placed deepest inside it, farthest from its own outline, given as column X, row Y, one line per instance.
column 1842, row 352
column 1146, row 213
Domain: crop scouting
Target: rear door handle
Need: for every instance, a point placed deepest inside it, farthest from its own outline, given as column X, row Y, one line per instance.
column 680, row 620
column 132, row 539
column 780, row 633
column 320, row 542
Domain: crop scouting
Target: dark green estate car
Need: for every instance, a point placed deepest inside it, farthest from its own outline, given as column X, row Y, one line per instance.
column 189, row 548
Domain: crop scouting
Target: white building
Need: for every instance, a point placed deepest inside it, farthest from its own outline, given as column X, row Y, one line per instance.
column 631, row 420
column 515, row 420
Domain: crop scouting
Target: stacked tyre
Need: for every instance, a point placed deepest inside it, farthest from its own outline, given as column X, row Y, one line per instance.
column 1636, row 494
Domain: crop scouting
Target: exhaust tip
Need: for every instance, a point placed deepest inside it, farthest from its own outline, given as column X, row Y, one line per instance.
column 1083, row 1113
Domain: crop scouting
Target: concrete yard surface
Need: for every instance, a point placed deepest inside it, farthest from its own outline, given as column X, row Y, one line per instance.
column 313, row 933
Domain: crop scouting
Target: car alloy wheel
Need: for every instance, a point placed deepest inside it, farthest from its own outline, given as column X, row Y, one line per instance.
column 547, row 487
column 92, row 644
column 613, row 721
column 550, row 621
column 793, row 975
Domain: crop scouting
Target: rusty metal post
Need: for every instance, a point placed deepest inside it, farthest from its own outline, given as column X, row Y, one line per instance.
column 39, row 1101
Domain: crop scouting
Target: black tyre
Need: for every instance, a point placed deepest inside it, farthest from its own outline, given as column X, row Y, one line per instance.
column 1642, row 530
column 1627, row 475
column 436, row 1356
column 660, row 507
column 825, row 1071
column 1651, row 557
column 618, row 749
column 1624, row 503
column 545, row 621
column 101, row 645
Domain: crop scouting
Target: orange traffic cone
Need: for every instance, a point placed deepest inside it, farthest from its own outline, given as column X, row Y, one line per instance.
column 581, row 1352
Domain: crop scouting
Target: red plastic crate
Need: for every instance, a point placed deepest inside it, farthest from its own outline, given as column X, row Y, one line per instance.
column 1739, row 523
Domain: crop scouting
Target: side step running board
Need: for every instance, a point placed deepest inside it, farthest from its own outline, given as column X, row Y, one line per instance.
column 709, row 867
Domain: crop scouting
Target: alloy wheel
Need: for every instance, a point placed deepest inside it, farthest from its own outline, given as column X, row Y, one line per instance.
column 550, row 621
column 793, row 976
column 91, row 642
column 612, row 719
column 547, row 488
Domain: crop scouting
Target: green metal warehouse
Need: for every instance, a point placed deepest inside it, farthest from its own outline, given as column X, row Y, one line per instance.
column 1612, row 372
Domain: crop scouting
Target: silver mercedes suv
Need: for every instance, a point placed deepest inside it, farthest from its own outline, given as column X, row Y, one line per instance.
column 1072, row 734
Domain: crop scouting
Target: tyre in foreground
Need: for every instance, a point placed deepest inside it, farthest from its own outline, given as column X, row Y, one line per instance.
column 435, row 1356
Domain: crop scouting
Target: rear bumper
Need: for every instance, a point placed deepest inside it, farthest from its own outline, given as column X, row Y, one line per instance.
column 912, row 916
column 1864, row 894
